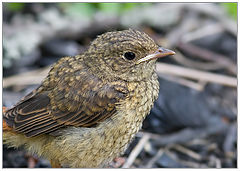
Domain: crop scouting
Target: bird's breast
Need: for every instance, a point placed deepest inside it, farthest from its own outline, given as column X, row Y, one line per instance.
column 121, row 128
column 95, row 147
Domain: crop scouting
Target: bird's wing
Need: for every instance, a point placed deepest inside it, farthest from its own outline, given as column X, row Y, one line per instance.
column 73, row 98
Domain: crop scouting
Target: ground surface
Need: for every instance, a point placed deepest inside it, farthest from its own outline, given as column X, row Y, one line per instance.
column 193, row 122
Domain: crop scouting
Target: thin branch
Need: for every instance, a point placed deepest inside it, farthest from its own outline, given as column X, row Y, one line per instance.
column 202, row 32
column 181, row 59
column 205, row 54
column 196, row 74
column 137, row 149
column 26, row 78
column 191, row 84
column 185, row 135
column 155, row 158
column 188, row 152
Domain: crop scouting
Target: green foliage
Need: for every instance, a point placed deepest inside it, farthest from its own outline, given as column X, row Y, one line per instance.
column 231, row 9
column 118, row 8
column 112, row 8
column 78, row 9
column 88, row 9
column 85, row 9
column 14, row 6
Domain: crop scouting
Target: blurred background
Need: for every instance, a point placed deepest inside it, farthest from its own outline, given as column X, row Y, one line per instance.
column 194, row 121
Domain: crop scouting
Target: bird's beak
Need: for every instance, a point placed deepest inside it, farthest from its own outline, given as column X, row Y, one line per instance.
column 161, row 52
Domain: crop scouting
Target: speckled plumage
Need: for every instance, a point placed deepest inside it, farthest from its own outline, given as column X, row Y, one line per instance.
column 90, row 106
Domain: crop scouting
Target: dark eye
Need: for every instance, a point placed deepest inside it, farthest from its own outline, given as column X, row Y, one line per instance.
column 129, row 55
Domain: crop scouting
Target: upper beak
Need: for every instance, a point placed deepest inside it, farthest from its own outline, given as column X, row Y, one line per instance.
column 161, row 52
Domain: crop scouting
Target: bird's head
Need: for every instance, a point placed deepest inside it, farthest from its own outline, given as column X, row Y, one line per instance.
column 129, row 55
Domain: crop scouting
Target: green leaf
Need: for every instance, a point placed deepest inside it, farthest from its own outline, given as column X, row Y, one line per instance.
column 79, row 9
column 231, row 9
column 129, row 6
column 111, row 8
column 14, row 6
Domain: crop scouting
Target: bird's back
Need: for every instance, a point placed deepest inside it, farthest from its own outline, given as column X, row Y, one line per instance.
column 69, row 96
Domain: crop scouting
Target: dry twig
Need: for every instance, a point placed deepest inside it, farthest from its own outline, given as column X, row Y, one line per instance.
column 155, row 158
column 181, row 59
column 188, row 134
column 205, row 54
column 202, row 32
column 196, row 74
column 197, row 86
column 137, row 149
column 185, row 163
column 26, row 78
column 212, row 10
column 186, row 151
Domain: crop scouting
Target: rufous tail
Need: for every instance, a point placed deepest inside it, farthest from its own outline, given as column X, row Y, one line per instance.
column 5, row 126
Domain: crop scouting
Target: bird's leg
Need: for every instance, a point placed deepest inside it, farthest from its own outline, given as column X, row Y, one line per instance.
column 117, row 162
column 32, row 160
column 55, row 164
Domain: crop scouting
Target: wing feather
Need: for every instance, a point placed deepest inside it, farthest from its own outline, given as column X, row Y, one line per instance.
column 76, row 98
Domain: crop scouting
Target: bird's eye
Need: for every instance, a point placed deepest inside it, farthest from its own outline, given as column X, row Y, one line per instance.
column 129, row 55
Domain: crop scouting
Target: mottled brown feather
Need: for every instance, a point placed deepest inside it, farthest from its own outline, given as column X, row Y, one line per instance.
column 67, row 97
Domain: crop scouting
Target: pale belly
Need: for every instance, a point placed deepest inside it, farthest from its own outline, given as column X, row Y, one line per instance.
column 95, row 147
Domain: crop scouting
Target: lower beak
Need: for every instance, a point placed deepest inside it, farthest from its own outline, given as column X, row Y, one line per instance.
column 161, row 52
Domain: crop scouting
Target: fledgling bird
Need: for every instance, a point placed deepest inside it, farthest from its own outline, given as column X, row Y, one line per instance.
column 90, row 106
